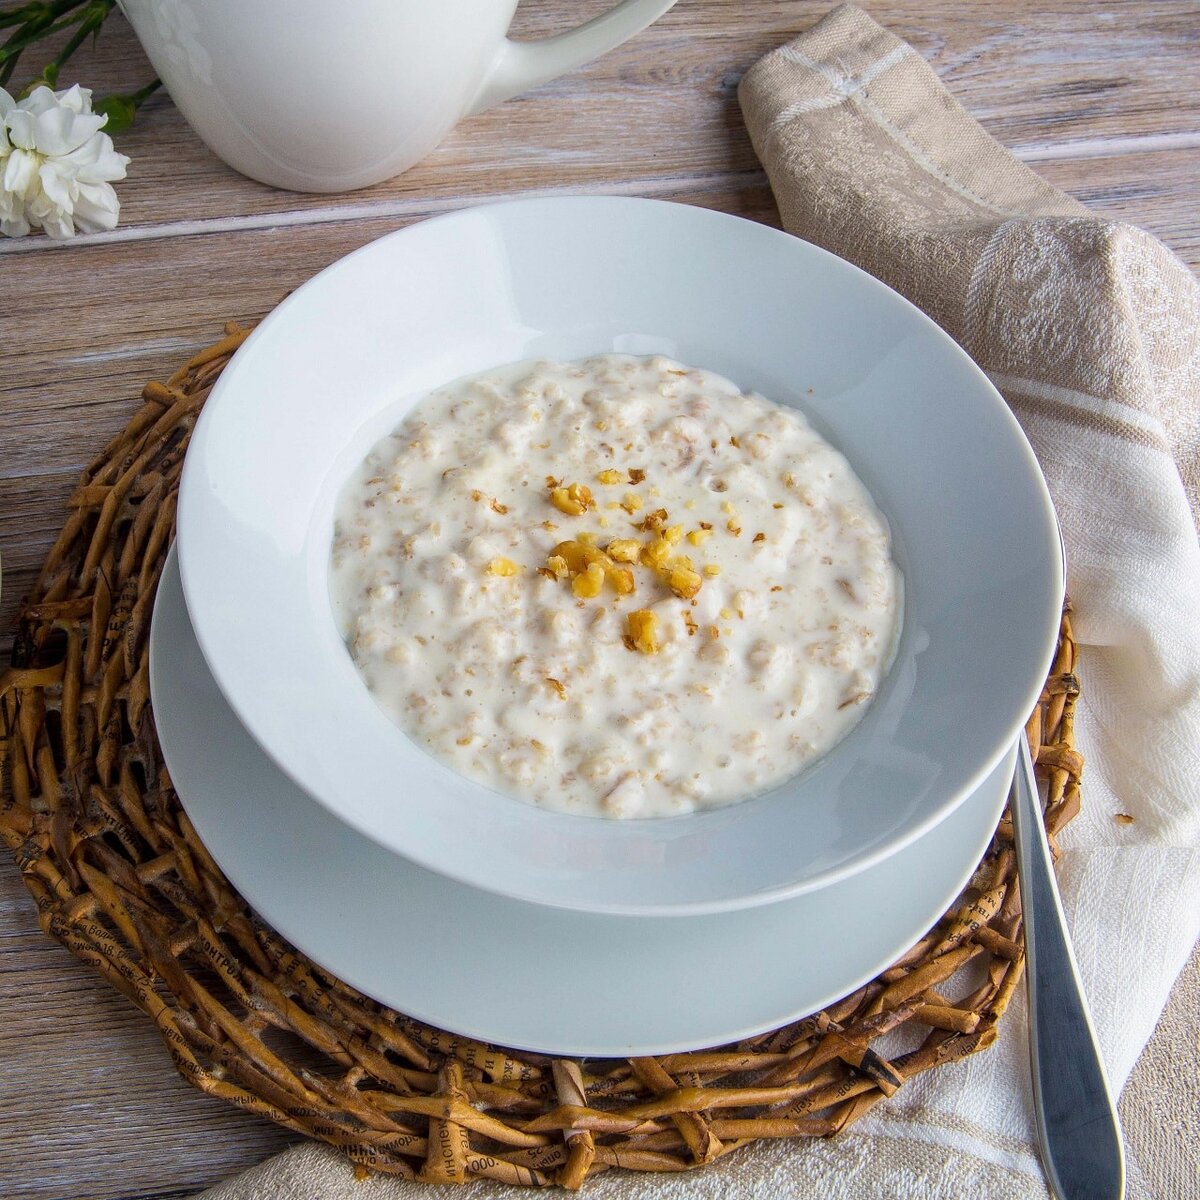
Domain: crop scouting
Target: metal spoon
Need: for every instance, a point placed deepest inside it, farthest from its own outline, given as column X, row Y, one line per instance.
column 1078, row 1129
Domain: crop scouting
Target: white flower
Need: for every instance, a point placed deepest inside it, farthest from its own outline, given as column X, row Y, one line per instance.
column 56, row 167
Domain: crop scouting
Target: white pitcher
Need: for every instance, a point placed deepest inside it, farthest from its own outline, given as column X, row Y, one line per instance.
column 329, row 95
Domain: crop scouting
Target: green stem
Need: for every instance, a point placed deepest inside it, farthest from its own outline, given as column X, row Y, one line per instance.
column 48, row 75
column 143, row 94
column 39, row 10
column 43, row 24
column 121, row 110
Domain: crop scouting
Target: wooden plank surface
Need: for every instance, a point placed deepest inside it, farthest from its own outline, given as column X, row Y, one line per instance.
column 1046, row 84
column 1100, row 99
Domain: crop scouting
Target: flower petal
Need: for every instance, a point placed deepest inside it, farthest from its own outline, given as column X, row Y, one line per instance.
column 40, row 100
column 22, row 128
column 60, row 187
column 60, row 130
column 59, row 226
column 40, row 210
column 20, row 172
column 12, row 207
column 76, row 98
column 97, row 207
column 96, row 161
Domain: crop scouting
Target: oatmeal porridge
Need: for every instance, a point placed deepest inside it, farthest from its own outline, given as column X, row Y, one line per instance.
column 618, row 587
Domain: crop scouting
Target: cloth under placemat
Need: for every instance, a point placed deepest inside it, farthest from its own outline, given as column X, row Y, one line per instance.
column 1091, row 330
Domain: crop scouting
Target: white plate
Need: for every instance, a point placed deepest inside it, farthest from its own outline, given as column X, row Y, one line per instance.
column 518, row 974
column 340, row 362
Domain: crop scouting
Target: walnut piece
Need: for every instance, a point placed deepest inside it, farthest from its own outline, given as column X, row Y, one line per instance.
column 681, row 577
column 588, row 584
column 574, row 500
column 503, row 566
column 643, row 631
column 623, row 549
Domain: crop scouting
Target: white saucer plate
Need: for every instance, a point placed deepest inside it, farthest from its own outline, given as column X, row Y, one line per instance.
column 519, row 974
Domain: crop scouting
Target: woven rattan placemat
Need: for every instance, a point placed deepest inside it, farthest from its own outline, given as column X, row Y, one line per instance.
column 120, row 878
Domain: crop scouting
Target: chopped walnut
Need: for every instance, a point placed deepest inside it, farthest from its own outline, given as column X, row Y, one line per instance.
column 574, row 500
column 503, row 566
column 656, row 553
column 699, row 536
column 496, row 506
column 588, row 567
column 611, row 476
column 558, row 687
column 711, row 569
column 636, row 475
column 652, row 520
column 673, row 534
column 588, row 584
column 643, row 631
column 624, row 549
column 621, row 579
column 631, row 502
column 575, row 556
column 681, row 577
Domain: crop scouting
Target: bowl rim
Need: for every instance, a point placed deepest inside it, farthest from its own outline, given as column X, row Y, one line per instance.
column 197, row 593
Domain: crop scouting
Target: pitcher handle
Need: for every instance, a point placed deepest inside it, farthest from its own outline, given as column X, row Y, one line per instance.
column 520, row 66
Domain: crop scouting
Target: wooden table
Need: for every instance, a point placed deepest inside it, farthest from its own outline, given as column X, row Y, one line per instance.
column 1101, row 99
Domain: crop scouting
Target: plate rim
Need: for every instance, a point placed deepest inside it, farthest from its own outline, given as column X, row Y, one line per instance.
column 790, row 911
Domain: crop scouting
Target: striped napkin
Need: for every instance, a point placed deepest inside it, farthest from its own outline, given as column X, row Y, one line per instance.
column 1090, row 330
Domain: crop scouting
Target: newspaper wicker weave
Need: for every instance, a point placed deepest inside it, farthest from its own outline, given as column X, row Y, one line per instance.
column 119, row 877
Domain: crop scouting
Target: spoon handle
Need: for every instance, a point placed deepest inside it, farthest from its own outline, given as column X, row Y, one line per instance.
column 1077, row 1124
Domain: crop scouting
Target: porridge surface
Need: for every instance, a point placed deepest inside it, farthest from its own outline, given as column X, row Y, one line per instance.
column 618, row 586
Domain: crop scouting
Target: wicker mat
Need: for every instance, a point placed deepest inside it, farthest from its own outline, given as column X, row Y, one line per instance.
column 120, row 878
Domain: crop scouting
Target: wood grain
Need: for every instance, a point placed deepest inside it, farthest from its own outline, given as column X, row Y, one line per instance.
column 1035, row 79
column 1101, row 99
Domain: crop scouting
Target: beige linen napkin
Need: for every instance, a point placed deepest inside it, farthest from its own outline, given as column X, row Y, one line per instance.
column 1089, row 329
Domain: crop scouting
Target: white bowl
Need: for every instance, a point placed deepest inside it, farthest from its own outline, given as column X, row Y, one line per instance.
column 339, row 363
